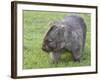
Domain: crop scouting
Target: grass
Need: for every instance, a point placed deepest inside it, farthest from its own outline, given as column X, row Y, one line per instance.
column 35, row 26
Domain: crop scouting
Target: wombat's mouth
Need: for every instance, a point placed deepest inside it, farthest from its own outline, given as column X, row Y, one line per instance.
column 46, row 50
column 49, row 50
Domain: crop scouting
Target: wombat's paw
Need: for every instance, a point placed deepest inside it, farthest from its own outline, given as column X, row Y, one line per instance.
column 54, row 62
column 76, row 60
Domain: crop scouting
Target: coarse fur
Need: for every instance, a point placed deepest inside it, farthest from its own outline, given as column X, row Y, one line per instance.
column 68, row 34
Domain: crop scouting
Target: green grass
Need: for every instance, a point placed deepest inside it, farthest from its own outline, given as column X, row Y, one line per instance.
column 34, row 28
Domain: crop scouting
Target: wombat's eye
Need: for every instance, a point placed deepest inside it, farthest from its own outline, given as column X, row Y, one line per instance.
column 50, row 40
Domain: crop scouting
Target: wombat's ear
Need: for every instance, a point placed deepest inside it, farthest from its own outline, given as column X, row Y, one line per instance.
column 51, row 24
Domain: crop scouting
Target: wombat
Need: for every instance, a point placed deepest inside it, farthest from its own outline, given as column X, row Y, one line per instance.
column 68, row 34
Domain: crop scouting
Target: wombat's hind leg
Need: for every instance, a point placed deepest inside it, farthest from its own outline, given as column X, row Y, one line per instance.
column 76, row 55
column 54, row 57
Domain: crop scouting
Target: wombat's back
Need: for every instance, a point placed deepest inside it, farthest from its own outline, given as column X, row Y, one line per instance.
column 75, row 21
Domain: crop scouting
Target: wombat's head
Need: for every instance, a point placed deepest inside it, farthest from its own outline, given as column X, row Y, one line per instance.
column 54, row 37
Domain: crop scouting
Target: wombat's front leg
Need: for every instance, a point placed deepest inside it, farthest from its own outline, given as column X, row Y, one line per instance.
column 54, row 57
